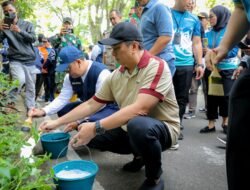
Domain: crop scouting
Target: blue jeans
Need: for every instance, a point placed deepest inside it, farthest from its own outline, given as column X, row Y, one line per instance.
column 145, row 136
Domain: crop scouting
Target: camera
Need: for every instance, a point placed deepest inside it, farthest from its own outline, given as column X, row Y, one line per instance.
column 9, row 18
column 70, row 31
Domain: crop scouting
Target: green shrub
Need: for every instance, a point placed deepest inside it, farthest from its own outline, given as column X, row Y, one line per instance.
column 18, row 173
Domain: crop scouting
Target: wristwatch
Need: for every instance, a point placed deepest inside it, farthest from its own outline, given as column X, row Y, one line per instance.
column 99, row 129
column 200, row 65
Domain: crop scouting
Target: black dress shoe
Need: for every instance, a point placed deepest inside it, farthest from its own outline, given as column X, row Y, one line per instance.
column 152, row 185
column 207, row 130
column 181, row 137
column 224, row 127
column 134, row 166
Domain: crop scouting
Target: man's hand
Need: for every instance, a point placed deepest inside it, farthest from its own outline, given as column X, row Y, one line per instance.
column 209, row 59
column 4, row 26
column 34, row 112
column 15, row 28
column 214, row 56
column 205, row 50
column 84, row 136
column 237, row 72
column 199, row 72
column 48, row 125
column 71, row 126
column 63, row 31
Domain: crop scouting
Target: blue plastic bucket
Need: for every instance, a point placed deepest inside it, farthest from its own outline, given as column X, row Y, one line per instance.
column 55, row 143
column 81, row 183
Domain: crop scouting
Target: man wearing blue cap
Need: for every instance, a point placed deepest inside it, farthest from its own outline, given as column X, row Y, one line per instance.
column 148, row 120
column 84, row 79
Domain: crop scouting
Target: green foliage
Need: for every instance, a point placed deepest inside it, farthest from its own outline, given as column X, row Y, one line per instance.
column 25, row 8
column 212, row 3
column 6, row 86
column 18, row 173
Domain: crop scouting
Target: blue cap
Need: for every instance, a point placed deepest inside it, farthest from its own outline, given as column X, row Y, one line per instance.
column 66, row 56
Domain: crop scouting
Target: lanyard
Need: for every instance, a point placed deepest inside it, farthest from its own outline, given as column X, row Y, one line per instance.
column 180, row 20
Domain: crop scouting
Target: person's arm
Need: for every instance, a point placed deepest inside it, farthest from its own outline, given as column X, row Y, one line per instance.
column 160, row 44
column 3, row 27
column 51, row 59
column 63, row 98
column 83, row 110
column 2, row 36
column 56, row 41
column 142, row 106
column 27, row 35
column 197, row 49
column 101, row 78
column 95, row 52
column 237, row 27
column 164, row 27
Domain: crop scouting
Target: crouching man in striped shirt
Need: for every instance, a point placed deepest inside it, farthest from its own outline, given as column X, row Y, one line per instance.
column 148, row 120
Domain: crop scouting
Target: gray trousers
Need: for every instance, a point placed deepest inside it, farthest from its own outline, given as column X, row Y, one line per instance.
column 25, row 75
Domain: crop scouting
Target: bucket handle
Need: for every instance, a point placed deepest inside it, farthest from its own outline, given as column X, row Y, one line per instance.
column 90, row 155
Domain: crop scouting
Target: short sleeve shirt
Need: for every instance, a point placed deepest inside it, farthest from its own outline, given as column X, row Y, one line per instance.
column 151, row 76
column 246, row 4
column 156, row 20
column 187, row 25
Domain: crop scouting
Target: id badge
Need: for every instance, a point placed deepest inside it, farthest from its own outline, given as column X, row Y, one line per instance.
column 177, row 38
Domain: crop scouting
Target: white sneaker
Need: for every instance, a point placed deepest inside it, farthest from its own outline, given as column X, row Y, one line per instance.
column 40, row 99
column 174, row 147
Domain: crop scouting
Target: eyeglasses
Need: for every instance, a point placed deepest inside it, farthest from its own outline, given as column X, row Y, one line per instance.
column 211, row 16
column 44, row 41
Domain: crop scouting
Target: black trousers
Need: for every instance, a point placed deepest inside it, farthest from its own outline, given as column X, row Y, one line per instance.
column 182, row 82
column 48, row 80
column 215, row 102
column 238, row 144
column 145, row 136
column 221, row 102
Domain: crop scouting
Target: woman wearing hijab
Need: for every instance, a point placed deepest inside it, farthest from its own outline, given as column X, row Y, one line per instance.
column 219, row 17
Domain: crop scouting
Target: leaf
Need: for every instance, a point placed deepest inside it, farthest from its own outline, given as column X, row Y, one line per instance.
column 5, row 172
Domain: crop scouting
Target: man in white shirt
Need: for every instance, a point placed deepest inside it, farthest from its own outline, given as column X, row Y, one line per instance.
column 85, row 78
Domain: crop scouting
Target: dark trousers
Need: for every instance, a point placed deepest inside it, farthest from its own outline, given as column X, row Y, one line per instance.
column 238, row 150
column 6, row 68
column 48, row 80
column 215, row 102
column 108, row 110
column 205, row 85
column 68, row 108
column 145, row 136
column 182, row 83
column 221, row 102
